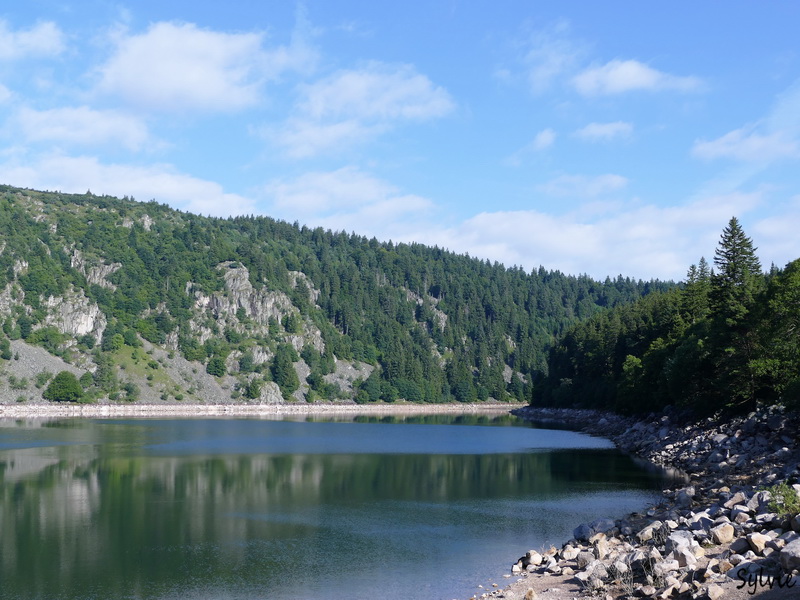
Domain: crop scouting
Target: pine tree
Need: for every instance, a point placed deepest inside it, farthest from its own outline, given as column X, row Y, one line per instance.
column 283, row 372
column 738, row 275
column 734, row 289
column 695, row 293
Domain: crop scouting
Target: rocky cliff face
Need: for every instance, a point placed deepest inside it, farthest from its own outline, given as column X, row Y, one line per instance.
column 258, row 305
column 75, row 315
column 96, row 274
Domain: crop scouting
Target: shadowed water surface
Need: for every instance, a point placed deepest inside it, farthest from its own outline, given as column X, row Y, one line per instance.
column 388, row 508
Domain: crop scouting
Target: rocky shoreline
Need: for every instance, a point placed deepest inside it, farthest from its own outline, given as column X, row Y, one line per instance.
column 732, row 532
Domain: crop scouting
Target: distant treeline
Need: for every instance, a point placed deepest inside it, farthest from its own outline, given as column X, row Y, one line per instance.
column 437, row 325
column 727, row 339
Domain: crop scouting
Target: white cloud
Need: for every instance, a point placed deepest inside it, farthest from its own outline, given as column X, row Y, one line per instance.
column 583, row 186
column 639, row 240
column 748, row 145
column 547, row 55
column 160, row 182
column 376, row 92
column 633, row 239
column 82, row 125
column 619, row 76
column 347, row 199
column 42, row 40
column 543, row 140
column 303, row 138
column 776, row 236
column 177, row 67
column 353, row 106
column 598, row 132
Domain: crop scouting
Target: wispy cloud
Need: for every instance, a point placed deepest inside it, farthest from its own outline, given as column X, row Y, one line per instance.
column 548, row 54
column 748, row 145
column 541, row 141
column 620, row 76
column 42, row 40
column 601, row 132
column 352, row 106
column 347, row 199
column 83, row 126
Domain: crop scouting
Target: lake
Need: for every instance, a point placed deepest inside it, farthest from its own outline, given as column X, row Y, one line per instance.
column 240, row 509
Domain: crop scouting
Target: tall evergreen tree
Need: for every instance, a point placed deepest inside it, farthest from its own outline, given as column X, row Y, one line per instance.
column 696, row 291
column 738, row 275
column 733, row 295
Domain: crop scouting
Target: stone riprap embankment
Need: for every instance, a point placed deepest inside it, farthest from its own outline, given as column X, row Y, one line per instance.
column 732, row 531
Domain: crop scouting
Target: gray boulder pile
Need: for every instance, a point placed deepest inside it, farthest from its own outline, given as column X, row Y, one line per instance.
column 737, row 523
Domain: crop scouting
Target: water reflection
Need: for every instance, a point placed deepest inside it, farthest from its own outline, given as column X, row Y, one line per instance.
column 97, row 509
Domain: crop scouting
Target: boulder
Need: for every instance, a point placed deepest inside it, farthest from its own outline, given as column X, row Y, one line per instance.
column 740, row 514
column 582, row 532
column 602, row 525
column 532, row 557
column 725, row 566
column 647, row 533
column 584, row 559
column 758, row 542
column 683, row 498
column 620, row 567
column 663, row 568
column 759, row 501
column 790, row 556
column 679, row 539
column 740, row 546
column 569, row 552
column 684, row 556
column 714, row 592
column 722, row 534
column 737, row 498
column 648, row 590
column 601, row 548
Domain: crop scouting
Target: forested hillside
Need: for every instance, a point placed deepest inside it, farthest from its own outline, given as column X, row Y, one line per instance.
column 273, row 310
column 729, row 338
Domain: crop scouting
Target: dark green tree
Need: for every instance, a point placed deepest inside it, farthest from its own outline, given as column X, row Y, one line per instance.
column 64, row 387
column 216, row 366
column 734, row 288
column 696, row 291
column 738, row 276
column 283, row 372
column 252, row 390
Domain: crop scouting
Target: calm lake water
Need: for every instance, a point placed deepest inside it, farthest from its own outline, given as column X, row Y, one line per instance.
column 419, row 508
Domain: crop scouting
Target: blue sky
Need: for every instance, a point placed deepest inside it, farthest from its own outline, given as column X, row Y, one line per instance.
column 591, row 137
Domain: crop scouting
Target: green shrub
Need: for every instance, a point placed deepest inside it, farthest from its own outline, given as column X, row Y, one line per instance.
column 42, row 378
column 784, row 500
column 64, row 387
column 216, row 366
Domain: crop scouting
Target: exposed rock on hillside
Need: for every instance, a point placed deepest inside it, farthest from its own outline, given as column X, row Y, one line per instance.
column 75, row 314
column 96, row 274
